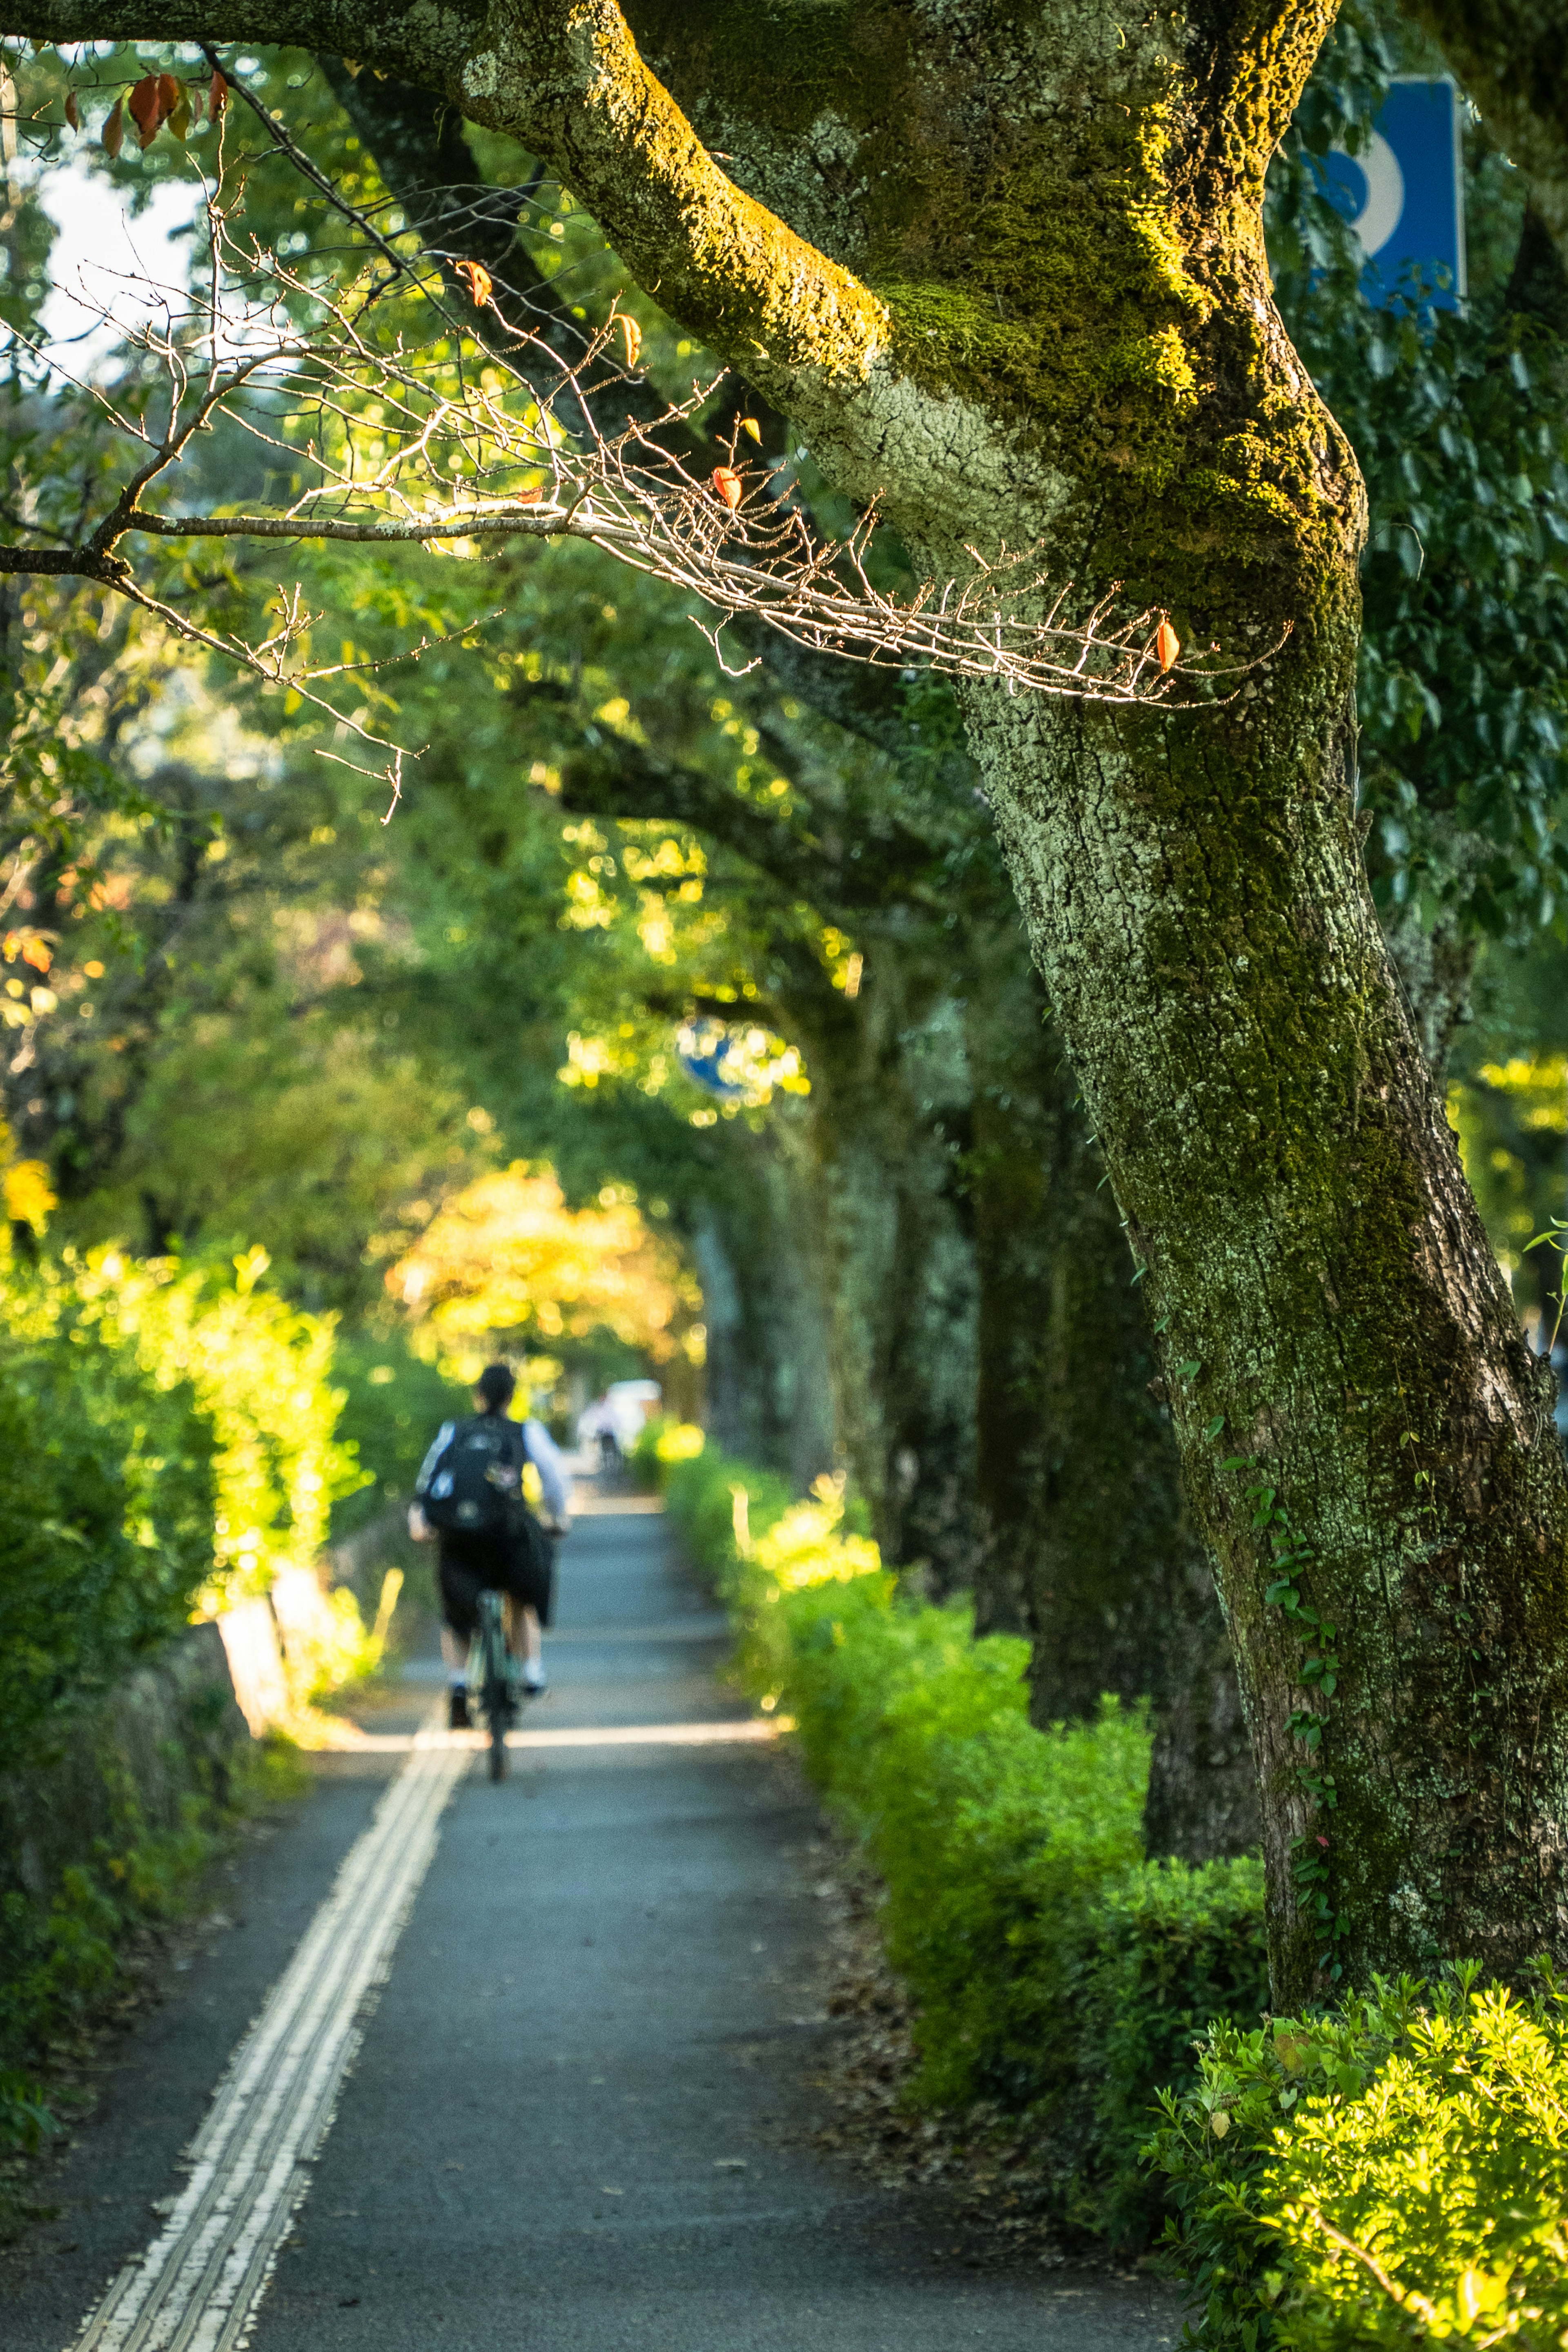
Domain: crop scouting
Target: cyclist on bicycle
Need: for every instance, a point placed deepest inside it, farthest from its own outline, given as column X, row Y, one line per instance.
column 470, row 1494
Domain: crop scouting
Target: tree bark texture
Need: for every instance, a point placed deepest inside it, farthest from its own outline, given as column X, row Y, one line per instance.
column 900, row 1265
column 1087, row 1545
column 1004, row 267
column 769, row 1390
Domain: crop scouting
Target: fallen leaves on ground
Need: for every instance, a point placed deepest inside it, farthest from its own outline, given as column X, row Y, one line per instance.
column 985, row 2159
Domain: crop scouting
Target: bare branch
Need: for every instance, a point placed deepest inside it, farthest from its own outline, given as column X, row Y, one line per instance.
column 450, row 443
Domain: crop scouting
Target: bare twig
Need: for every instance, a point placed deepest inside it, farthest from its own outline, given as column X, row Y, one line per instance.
column 387, row 443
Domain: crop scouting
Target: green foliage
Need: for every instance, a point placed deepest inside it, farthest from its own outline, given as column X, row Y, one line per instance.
column 169, row 1435
column 1394, row 2173
column 63, row 1961
column 106, row 1509
column 394, row 1403
column 660, row 1443
column 260, row 1369
column 1056, row 1973
column 1458, row 420
column 24, row 2117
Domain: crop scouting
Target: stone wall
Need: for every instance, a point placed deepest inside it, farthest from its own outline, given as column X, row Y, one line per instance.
column 123, row 1766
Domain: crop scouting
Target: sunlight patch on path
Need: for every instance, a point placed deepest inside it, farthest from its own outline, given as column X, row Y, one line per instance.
column 615, row 1735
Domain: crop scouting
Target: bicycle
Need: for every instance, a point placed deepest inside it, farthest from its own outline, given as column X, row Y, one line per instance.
column 492, row 1680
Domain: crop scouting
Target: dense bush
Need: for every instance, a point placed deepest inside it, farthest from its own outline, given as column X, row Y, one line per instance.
column 106, row 1516
column 169, row 1436
column 1056, row 1973
column 261, row 1371
column 1394, row 2174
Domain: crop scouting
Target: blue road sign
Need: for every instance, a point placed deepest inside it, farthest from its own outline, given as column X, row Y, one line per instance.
column 1405, row 195
column 701, row 1049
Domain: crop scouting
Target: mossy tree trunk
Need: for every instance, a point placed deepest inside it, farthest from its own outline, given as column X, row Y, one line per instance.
column 757, row 1244
column 902, row 1281
column 1013, row 282
column 1087, row 1545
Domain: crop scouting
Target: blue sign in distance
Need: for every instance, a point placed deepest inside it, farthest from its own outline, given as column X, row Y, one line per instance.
column 1403, row 196
column 702, row 1048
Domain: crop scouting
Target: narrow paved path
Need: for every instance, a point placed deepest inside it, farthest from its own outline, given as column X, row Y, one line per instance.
column 578, row 2120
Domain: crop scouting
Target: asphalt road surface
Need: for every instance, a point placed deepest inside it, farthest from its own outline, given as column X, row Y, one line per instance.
column 577, row 2120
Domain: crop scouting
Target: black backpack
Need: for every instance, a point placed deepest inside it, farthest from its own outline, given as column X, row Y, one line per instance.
column 475, row 1482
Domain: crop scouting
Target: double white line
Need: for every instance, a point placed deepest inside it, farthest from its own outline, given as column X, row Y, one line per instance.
column 196, row 2286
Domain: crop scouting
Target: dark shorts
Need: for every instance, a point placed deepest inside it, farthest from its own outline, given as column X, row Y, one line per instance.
column 472, row 1563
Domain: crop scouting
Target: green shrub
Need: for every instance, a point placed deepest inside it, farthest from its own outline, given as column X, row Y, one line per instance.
column 660, row 1443
column 261, row 1372
column 1394, row 2174
column 106, row 1517
column 1056, row 1973
column 1170, row 1949
column 62, row 1962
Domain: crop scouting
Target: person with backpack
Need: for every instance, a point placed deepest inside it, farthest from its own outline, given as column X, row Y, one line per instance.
column 470, row 1495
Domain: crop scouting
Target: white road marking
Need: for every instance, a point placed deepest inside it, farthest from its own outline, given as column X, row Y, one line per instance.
column 198, row 2285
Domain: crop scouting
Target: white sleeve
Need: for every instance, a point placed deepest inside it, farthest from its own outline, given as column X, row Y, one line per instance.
column 443, row 1436
column 545, row 1456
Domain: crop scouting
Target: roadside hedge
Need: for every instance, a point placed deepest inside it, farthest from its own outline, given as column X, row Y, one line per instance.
column 1392, row 2173
column 1056, row 1973
column 169, row 1432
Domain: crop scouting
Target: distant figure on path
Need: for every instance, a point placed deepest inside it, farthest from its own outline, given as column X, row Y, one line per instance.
column 614, row 1421
column 596, row 1428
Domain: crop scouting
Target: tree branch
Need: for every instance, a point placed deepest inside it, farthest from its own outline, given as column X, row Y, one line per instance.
column 564, row 78
column 622, row 780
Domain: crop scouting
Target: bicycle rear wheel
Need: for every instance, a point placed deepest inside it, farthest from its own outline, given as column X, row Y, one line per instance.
column 497, row 1700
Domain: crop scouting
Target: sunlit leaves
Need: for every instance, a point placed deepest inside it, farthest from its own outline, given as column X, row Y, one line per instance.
column 510, row 1260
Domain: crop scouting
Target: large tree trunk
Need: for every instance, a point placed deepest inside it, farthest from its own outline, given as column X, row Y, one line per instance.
column 1088, row 1546
column 900, row 1265
column 758, row 1251
column 1340, row 1344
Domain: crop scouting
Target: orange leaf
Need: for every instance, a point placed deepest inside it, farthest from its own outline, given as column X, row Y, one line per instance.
column 632, row 335
column 35, row 953
column 727, row 482
column 1167, row 645
column 72, row 117
column 114, row 128
column 477, row 280
column 168, row 96
column 217, row 94
column 144, row 109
